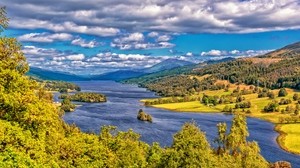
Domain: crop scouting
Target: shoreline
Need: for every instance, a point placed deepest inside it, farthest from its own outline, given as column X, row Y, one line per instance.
column 277, row 127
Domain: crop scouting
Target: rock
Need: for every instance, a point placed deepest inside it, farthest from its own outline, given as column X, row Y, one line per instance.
column 144, row 116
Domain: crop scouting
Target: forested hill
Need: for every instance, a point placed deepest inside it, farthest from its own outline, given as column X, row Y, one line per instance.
column 292, row 50
column 279, row 68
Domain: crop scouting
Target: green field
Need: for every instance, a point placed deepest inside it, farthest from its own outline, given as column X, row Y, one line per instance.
column 290, row 137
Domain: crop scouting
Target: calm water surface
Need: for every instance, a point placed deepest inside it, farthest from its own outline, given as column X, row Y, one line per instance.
column 123, row 104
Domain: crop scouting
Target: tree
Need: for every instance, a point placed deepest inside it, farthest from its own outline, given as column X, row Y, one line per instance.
column 282, row 92
column 222, row 138
column 296, row 97
column 238, row 133
column 3, row 19
column 190, row 148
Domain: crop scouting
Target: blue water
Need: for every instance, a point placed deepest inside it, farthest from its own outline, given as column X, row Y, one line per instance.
column 123, row 104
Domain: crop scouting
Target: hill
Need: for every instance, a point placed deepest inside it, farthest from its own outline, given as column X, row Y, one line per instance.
column 280, row 68
column 53, row 75
column 167, row 64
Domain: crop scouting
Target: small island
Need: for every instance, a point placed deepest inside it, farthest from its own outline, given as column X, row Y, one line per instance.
column 144, row 116
column 67, row 105
column 87, row 97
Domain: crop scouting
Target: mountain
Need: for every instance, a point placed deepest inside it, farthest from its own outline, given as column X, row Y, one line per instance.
column 127, row 74
column 167, row 64
column 118, row 75
column 53, row 75
column 150, row 78
column 287, row 51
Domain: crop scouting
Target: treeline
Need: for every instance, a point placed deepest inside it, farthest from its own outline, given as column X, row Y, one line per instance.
column 59, row 86
column 283, row 73
column 172, row 100
column 88, row 97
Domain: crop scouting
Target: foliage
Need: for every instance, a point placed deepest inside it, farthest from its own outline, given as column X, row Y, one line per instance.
column 67, row 105
column 282, row 92
column 144, row 116
column 61, row 86
column 88, row 97
column 271, row 107
column 3, row 19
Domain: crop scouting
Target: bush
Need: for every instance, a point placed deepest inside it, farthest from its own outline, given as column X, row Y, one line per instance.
column 271, row 107
column 282, row 92
column 296, row 97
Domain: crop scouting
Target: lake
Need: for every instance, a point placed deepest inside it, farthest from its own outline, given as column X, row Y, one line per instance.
column 124, row 102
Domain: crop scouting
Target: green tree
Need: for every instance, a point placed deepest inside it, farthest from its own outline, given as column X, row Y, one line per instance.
column 282, row 92
column 190, row 148
column 296, row 97
column 3, row 19
column 238, row 133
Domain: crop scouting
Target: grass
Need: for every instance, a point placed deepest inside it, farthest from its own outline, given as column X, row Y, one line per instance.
column 289, row 133
column 193, row 106
column 289, row 137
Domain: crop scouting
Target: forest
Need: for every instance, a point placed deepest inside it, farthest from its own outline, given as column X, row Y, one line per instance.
column 33, row 134
column 274, row 70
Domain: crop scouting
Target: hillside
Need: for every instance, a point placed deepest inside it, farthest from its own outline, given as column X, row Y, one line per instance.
column 167, row 64
column 280, row 68
column 53, row 75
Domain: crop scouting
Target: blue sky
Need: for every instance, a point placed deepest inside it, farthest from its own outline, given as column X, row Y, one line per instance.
column 94, row 37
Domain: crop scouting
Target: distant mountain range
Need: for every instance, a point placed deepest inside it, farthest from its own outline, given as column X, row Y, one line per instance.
column 126, row 74
column 53, row 75
column 116, row 75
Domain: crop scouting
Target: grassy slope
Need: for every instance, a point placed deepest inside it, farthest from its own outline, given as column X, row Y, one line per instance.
column 289, row 134
column 287, row 143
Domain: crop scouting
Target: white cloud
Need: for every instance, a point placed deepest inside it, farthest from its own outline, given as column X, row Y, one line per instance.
column 138, row 41
column 67, row 26
column 45, row 37
column 134, row 37
column 75, row 57
column 166, row 45
column 211, row 53
column 153, row 34
column 234, row 53
column 83, row 43
column 164, row 38
column 189, row 54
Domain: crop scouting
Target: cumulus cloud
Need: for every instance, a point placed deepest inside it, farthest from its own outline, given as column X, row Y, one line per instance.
column 108, row 18
column 75, row 57
column 163, row 38
column 86, row 44
column 45, row 37
column 189, row 54
column 212, row 53
column 153, row 34
column 139, row 41
column 234, row 53
column 67, row 26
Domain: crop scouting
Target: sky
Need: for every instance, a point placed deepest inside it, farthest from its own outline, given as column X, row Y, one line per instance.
column 98, row 36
